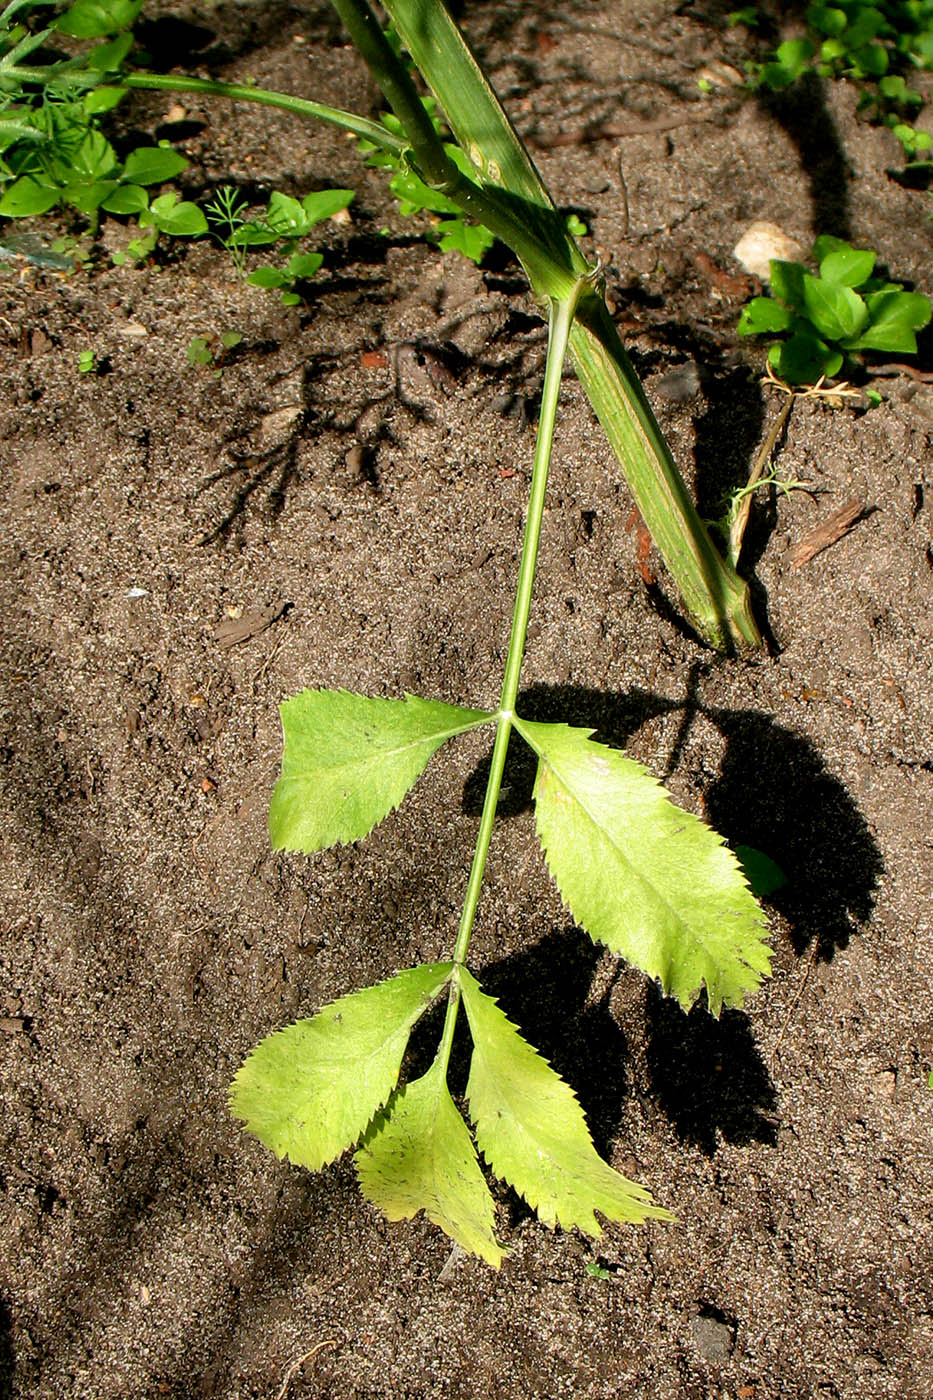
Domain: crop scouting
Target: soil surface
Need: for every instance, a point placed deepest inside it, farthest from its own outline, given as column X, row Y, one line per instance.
column 341, row 506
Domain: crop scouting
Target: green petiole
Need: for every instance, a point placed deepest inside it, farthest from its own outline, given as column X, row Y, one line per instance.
column 559, row 323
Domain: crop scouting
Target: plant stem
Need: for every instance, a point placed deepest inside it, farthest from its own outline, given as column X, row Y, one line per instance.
column 559, row 323
column 737, row 528
column 300, row 106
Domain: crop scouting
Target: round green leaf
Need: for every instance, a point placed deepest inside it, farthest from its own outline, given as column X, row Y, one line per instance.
column 763, row 315
column 837, row 312
column 94, row 19
column 304, row 264
column 26, row 198
column 848, row 266
column 153, row 165
column 126, row 199
column 267, row 277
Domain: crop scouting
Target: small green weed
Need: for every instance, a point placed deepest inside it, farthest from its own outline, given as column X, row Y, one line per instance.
column 87, row 361
column 827, row 319
column 877, row 44
column 283, row 223
column 210, row 351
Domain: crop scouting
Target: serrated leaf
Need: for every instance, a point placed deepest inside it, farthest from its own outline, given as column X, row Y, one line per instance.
column 350, row 759
column 310, row 1091
column 837, row 312
column 531, row 1129
column 418, row 1155
column 646, row 878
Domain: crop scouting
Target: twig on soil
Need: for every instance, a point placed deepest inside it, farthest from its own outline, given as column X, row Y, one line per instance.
column 800, row 991
column 737, row 530
column 299, row 1361
column 606, row 131
column 828, row 532
column 924, row 376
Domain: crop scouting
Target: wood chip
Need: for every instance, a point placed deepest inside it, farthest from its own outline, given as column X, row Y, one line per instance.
column 234, row 630
column 827, row 533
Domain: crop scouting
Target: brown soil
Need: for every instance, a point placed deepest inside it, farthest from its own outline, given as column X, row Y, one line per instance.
column 148, row 1247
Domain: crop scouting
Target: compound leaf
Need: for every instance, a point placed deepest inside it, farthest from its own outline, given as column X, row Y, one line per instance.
column 531, row 1129
column 350, row 759
column 418, row 1155
column 649, row 880
column 310, row 1091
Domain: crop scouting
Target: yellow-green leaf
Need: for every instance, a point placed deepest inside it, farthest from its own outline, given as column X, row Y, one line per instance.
column 531, row 1129
column 350, row 759
column 646, row 878
column 419, row 1155
column 310, row 1091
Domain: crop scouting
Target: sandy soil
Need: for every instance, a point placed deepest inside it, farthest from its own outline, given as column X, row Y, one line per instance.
column 148, row 1248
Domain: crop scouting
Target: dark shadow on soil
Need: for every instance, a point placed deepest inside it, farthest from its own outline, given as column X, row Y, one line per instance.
column 773, row 792
column 707, row 1076
column 802, row 111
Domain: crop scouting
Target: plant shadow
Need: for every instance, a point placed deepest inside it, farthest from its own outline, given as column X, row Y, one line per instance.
column 707, row 1076
column 772, row 792
column 802, row 111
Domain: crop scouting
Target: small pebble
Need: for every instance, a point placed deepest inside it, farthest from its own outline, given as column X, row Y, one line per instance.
column 760, row 243
column 714, row 1339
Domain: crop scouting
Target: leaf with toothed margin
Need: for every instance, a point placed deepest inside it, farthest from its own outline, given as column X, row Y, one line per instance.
column 419, row 1155
column 350, row 759
column 310, row 1091
column 531, row 1129
column 649, row 880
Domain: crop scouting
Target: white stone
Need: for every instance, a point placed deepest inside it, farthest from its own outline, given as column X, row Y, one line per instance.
column 760, row 243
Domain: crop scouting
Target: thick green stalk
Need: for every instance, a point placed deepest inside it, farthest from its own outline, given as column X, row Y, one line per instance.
column 561, row 319
column 715, row 596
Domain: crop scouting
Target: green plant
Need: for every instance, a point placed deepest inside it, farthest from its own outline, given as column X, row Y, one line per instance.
column 827, row 319
column 210, row 351
column 645, row 878
column 87, row 361
column 872, row 43
column 283, row 223
column 492, row 183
